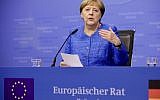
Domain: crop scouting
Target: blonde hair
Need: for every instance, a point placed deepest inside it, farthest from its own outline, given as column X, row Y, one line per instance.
column 98, row 2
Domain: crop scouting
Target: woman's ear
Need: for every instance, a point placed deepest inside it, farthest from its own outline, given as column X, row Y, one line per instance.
column 81, row 16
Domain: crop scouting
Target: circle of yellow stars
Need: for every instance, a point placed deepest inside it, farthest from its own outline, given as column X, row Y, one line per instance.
column 13, row 90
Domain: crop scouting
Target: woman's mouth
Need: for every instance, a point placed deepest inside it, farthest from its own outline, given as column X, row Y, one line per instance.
column 90, row 18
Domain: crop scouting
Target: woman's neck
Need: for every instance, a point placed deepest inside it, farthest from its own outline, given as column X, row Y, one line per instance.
column 89, row 30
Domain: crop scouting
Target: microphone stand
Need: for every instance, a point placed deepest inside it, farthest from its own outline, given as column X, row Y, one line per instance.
column 55, row 58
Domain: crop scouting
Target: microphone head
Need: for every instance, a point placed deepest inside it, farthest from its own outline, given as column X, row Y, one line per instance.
column 73, row 32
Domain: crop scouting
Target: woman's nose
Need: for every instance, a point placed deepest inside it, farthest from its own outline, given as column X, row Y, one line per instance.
column 91, row 11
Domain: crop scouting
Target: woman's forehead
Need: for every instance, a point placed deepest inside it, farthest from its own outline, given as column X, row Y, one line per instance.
column 94, row 4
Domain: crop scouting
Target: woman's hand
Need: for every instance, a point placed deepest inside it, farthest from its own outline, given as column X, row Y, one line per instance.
column 110, row 36
column 62, row 64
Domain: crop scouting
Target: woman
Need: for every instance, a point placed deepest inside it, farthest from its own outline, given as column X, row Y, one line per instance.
column 96, row 44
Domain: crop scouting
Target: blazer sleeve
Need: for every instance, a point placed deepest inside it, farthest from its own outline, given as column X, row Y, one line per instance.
column 120, row 55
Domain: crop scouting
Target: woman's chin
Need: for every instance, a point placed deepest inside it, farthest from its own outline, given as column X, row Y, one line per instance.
column 91, row 23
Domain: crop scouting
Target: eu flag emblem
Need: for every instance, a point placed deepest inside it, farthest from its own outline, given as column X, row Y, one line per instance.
column 18, row 89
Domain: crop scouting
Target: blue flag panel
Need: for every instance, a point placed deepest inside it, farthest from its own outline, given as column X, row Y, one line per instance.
column 18, row 89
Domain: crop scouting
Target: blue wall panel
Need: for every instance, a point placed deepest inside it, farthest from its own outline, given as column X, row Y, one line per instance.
column 31, row 29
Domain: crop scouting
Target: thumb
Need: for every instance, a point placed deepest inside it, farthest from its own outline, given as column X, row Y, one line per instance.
column 110, row 29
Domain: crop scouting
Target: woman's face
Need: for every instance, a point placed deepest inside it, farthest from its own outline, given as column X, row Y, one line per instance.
column 91, row 14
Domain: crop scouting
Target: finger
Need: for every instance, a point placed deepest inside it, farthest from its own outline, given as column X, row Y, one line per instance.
column 104, row 31
column 62, row 64
column 111, row 29
column 104, row 34
column 106, row 38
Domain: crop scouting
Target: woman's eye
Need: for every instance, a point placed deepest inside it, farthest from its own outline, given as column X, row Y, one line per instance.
column 87, row 9
column 95, row 10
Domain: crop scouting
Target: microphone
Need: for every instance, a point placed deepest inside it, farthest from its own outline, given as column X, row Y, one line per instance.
column 54, row 60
